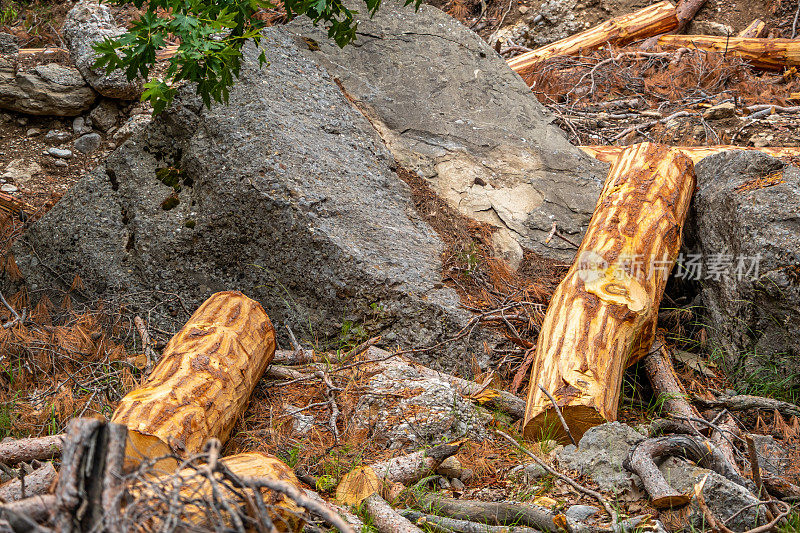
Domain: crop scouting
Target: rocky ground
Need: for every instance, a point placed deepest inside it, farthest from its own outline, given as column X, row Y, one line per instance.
column 421, row 212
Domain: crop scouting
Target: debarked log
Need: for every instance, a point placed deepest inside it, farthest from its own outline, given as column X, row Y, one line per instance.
column 770, row 54
column 603, row 314
column 203, row 381
column 35, row 448
column 652, row 20
column 193, row 497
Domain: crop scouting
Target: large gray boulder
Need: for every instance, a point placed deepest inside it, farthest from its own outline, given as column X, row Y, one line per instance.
column 87, row 23
column 745, row 217
column 49, row 89
column 285, row 194
column 450, row 109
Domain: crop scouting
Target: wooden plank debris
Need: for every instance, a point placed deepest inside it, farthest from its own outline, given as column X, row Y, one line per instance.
column 770, row 54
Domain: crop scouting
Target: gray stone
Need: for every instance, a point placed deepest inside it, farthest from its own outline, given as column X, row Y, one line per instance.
column 7, row 187
column 774, row 458
column 33, row 132
column 528, row 473
column 408, row 407
column 60, row 163
column 87, row 23
column 724, row 497
column 450, row 468
column 600, row 454
column 57, row 137
column 134, row 124
column 104, row 116
column 720, row 111
column 45, row 90
column 80, row 126
column 450, row 109
column 86, row 144
column 581, row 513
column 8, row 44
column 21, row 171
column 312, row 224
column 753, row 316
column 457, row 484
column 59, row 153
column 709, row 27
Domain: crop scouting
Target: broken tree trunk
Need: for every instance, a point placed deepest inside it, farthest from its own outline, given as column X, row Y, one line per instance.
column 203, row 381
column 770, row 54
column 666, row 385
column 652, row 20
column 385, row 519
column 610, row 154
column 603, row 314
column 26, row 450
column 754, row 30
column 686, row 10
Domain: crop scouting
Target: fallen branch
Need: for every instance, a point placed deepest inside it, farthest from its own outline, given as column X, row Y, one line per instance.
column 27, row 450
column 385, row 519
column 754, row 30
column 744, row 402
column 666, row 385
column 652, row 20
column 460, row 526
column 770, row 54
column 149, row 352
column 642, row 461
column 36, row 483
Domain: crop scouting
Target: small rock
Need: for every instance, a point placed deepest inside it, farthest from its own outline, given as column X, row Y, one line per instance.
column 708, row 27
column 450, row 467
column 720, row 111
column 22, row 121
column 443, row 483
column 59, row 153
column 88, row 143
column 57, row 137
column 61, row 163
column 33, row 132
column 523, row 9
column 20, row 170
column 581, row 513
column 534, row 472
column 8, row 44
column 5, row 117
column 104, row 115
column 760, row 140
column 79, row 126
column 7, row 187
column 467, row 475
column 457, row 484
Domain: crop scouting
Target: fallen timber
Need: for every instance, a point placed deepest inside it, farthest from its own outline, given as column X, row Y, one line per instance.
column 603, row 314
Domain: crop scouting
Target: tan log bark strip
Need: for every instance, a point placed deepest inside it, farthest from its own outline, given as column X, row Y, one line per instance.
column 26, row 450
column 754, row 30
column 652, row 20
column 610, row 154
column 385, row 519
column 603, row 314
column 204, row 379
column 770, row 54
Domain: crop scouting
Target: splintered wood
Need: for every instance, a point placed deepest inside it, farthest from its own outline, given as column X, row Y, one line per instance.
column 203, row 381
column 603, row 314
column 771, row 54
column 695, row 153
column 653, row 20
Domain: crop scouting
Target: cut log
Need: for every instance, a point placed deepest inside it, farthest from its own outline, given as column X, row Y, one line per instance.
column 686, row 10
column 770, row 54
column 610, row 154
column 385, row 519
column 603, row 314
column 37, row 483
column 155, row 497
column 26, row 450
column 754, row 30
column 653, row 20
column 203, row 381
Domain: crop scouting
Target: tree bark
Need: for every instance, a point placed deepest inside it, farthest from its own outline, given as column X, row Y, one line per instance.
column 37, row 508
column 666, row 385
column 603, row 314
column 26, row 450
column 686, row 11
column 754, row 30
column 653, row 20
column 610, row 154
column 203, row 381
column 461, row 526
column 387, row 520
column 769, row 54
column 37, row 483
